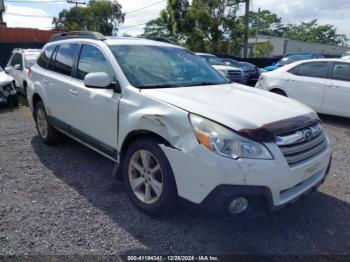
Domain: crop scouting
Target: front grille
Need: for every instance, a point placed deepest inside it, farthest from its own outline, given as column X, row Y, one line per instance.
column 234, row 73
column 303, row 144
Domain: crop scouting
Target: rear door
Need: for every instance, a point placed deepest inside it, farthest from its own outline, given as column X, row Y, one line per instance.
column 307, row 83
column 57, row 82
column 337, row 95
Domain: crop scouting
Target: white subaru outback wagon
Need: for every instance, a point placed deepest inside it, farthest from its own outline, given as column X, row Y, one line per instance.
column 174, row 125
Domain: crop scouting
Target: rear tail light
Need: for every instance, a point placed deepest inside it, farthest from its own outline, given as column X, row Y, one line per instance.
column 29, row 72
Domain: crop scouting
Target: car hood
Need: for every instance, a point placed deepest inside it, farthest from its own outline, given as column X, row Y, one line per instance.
column 225, row 67
column 233, row 105
column 5, row 78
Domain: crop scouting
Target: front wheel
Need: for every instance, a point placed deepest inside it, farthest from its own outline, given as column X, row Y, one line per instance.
column 148, row 177
column 12, row 100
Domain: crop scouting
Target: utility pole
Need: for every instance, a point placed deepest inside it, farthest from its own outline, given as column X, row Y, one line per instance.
column 257, row 29
column 76, row 2
column 246, row 34
column 2, row 10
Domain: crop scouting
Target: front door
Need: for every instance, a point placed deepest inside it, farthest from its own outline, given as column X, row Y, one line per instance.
column 337, row 95
column 95, row 110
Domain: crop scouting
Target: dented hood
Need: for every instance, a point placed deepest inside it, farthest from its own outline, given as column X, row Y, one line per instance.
column 233, row 105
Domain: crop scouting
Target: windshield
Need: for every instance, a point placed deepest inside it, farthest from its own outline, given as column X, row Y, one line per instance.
column 232, row 63
column 213, row 60
column 160, row 66
column 30, row 60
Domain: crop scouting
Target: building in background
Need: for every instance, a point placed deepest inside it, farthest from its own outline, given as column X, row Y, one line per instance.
column 283, row 46
column 11, row 38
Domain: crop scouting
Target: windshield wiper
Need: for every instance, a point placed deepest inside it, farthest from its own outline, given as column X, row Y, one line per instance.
column 205, row 84
column 158, row 86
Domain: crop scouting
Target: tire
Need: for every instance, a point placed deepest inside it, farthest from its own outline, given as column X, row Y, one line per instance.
column 45, row 130
column 279, row 92
column 164, row 200
column 12, row 100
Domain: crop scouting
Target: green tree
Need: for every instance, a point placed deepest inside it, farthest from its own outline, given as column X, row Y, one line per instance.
column 102, row 16
column 157, row 27
column 263, row 49
column 313, row 32
column 266, row 22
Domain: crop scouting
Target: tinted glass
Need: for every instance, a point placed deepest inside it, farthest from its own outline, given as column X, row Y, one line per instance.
column 92, row 60
column 316, row 69
column 162, row 66
column 64, row 58
column 341, row 71
column 16, row 60
column 45, row 56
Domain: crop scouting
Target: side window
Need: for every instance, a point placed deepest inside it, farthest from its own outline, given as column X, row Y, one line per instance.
column 64, row 58
column 313, row 69
column 341, row 71
column 45, row 56
column 16, row 60
column 92, row 60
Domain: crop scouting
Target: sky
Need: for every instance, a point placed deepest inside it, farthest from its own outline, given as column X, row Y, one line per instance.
column 19, row 14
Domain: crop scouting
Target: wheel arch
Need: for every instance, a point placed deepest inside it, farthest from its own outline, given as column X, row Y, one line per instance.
column 278, row 90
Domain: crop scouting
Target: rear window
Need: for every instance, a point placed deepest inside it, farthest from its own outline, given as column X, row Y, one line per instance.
column 45, row 56
column 341, row 71
column 313, row 69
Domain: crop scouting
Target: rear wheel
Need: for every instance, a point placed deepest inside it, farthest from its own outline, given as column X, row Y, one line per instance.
column 148, row 177
column 46, row 132
column 279, row 92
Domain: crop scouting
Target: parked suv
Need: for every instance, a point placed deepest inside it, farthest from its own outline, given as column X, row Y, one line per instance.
column 175, row 127
column 19, row 65
column 232, row 73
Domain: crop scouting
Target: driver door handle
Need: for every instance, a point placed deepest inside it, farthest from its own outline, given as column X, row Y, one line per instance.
column 333, row 86
column 73, row 92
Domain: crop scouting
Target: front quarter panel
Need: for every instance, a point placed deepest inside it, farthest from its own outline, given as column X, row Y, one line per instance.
column 138, row 112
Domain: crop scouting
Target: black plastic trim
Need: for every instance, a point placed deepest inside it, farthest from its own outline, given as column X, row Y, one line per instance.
column 104, row 148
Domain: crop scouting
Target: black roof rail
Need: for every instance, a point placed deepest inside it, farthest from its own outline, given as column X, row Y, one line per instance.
column 77, row 34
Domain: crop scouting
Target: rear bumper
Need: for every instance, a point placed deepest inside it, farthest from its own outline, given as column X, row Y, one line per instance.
column 260, row 200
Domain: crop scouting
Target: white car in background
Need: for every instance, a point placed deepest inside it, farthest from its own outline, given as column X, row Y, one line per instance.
column 322, row 84
column 19, row 65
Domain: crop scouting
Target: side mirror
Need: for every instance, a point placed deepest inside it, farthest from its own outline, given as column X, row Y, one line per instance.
column 97, row 80
column 7, row 69
column 227, row 63
column 101, row 80
column 18, row 67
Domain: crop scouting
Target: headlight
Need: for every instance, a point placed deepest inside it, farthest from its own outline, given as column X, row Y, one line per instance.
column 226, row 142
column 223, row 72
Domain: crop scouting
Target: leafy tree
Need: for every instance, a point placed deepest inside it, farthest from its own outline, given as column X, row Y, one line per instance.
column 266, row 22
column 313, row 32
column 99, row 15
column 263, row 49
column 157, row 27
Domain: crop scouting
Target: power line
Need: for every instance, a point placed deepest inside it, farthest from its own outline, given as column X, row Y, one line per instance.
column 129, row 26
column 136, row 10
column 35, row 1
column 37, row 16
